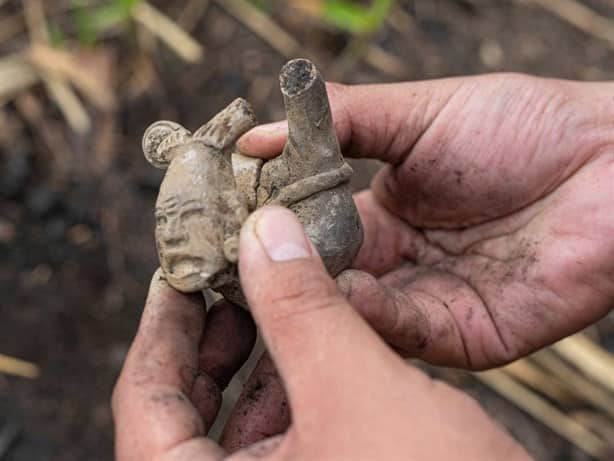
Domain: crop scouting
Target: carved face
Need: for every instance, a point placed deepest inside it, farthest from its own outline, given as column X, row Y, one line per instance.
column 188, row 231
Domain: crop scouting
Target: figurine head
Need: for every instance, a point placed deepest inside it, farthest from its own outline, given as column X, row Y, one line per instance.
column 198, row 211
column 190, row 247
column 189, row 237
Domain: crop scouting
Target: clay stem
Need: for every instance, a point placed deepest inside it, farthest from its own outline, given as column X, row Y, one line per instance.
column 310, row 121
column 223, row 130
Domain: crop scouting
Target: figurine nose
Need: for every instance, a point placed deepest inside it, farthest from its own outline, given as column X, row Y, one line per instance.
column 173, row 233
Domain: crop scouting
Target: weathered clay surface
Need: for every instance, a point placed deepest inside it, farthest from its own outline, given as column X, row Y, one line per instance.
column 247, row 175
column 310, row 176
column 199, row 211
column 210, row 188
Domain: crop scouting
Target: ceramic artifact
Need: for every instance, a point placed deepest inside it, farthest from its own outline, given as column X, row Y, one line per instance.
column 210, row 188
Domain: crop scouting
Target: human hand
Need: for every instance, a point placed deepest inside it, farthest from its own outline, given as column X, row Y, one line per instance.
column 490, row 231
column 170, row 389
column 351, row 397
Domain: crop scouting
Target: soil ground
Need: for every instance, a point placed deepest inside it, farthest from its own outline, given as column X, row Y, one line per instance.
column 77, row 249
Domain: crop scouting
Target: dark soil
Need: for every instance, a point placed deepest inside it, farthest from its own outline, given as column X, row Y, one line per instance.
column 76, row 234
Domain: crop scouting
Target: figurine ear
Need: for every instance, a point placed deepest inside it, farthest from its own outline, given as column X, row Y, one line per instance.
column 159, row 140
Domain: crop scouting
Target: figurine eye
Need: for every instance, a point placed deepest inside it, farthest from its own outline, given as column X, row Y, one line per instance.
column 191, row 212
column 160, row 220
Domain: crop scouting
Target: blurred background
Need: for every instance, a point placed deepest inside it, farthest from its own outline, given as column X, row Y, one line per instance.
column 80, row 80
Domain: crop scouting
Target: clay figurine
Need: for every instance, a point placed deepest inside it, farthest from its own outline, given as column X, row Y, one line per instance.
column 210, row 188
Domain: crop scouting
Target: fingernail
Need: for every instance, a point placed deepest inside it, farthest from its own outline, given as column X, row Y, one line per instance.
column 281, row 234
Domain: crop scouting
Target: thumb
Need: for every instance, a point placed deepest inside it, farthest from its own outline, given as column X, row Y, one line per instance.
column 308, row 326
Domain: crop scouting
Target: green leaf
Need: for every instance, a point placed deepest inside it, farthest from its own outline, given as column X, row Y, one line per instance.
column 106, row 17
column 85, row 34
column 90, row 22
column 128, row 5
column 354, row 18
column 379, row 11
column 346, row 15
column 56, row 35
column 265, row 5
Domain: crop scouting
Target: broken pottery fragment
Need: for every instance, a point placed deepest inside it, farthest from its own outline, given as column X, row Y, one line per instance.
column 210, row 188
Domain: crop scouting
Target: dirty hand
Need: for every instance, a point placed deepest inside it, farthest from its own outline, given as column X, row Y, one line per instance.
column 490, row 231
column 351, row 397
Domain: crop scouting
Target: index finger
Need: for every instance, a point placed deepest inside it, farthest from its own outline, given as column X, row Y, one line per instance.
column 381, row 121
column 153, row 413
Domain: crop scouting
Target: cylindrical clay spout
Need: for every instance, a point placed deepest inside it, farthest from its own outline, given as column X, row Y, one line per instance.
column 313, row 146
column 310, row 176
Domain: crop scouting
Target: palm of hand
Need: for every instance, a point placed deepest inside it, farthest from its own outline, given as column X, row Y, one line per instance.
column 493, row 232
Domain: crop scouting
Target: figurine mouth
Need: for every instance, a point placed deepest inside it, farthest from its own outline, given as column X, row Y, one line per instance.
column 182, row 266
